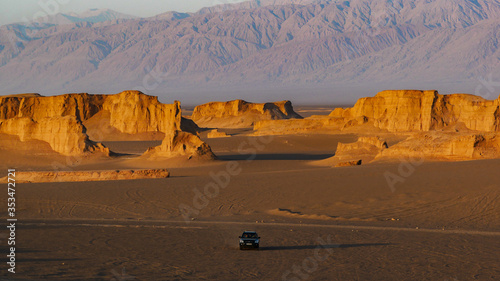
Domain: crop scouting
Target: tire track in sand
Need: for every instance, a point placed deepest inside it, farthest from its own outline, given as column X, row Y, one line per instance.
column 192, row 224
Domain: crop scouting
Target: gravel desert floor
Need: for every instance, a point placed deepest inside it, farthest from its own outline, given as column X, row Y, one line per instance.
column 381, row 221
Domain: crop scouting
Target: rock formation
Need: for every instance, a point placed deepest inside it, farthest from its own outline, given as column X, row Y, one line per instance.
column 179, row 143
column 216, row 134
column 65, row 134
column 399, row 111
column 239, row 113
column 78, row 176
column 431, row 146
column 294, row 126
column 129, row 112
column 412, row 110
column 445, row 146
column 66, row 121
column 365, row 149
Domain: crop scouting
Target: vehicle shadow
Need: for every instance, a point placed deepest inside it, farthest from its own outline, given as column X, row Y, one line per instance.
column 329, row 246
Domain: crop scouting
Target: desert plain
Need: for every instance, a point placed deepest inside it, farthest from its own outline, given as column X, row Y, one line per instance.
column 402, row 186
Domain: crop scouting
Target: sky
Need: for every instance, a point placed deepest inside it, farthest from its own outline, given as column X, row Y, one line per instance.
column 22, row 10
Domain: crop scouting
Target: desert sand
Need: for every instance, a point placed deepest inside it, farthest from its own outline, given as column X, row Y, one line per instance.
column 395, row 217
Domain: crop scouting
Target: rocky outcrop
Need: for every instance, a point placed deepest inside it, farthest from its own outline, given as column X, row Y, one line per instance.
column 217, row 134
column 129, row 112
column 365, row 148
column 239, row 113
column 132, row 112
column 412, row 110
column 64, row 134
column 432, row 146
column 399, row 111
column 296, row 126
column 79, row 176
column 179, row 143
column 64, row 121
column 445, row 146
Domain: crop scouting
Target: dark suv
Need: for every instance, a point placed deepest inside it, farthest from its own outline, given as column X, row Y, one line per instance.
column 249, row 240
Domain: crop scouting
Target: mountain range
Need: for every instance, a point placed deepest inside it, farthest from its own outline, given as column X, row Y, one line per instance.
column 303, row 50
column 92, row 15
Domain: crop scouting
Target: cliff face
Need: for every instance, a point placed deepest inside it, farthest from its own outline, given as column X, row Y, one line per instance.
column 83, row 106
column 132, row 112
column 239, row 113
column 411, row 110
column 129, row 112
column 63, row 121
column 65, row 134
column 475, row 112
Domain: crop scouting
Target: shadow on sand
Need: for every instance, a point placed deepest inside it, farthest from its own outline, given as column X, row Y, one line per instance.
column 277, row 156
column 329, row 246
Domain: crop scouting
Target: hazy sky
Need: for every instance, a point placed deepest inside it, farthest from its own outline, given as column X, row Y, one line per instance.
column 17, row 11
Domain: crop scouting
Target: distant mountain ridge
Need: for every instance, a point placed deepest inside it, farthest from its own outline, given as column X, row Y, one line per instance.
column 358, row 43
column 92, row 15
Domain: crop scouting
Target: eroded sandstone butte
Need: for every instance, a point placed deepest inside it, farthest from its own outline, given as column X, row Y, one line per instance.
column 64, row 134
column 65, row 121
column 239, row 113
column 399, row 111
column 179, row 143
column 128, row 112
column 412, row 110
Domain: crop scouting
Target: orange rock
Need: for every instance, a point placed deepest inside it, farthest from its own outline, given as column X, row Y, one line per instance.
column 294, row 126
column 239, row 113
column 128, row 112
column 365, row 148
column 65, row 135
column 181, row 143
column 216, row 134
column 413, row 110
column 79, row 176
column 445, row 146
column 59, row 120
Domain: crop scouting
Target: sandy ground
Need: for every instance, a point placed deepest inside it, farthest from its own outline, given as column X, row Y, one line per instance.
column 441, row 221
